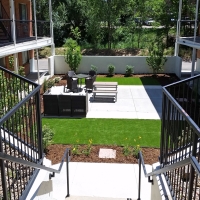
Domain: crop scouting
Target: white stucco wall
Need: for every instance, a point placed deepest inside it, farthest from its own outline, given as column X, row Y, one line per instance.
column 173, row 64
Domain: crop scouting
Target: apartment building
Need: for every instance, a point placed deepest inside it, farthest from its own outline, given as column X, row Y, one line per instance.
column 22, row 34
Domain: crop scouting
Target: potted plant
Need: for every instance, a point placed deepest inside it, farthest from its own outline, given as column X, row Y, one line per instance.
column 72, row 54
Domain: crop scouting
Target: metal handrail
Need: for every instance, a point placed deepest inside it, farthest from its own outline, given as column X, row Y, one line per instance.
column 190, row 160
column 182, row 111
column 66, row 155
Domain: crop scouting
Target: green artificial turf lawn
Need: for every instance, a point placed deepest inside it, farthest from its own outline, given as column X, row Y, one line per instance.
column 129, row 80
column 105, row 131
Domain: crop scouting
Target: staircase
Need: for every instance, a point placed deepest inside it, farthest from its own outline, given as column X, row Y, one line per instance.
column 95, row 181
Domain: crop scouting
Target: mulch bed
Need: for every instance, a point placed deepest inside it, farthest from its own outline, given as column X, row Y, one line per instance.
column 56, row 151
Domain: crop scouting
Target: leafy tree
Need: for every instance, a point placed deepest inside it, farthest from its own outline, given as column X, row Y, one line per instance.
column 107, row 14
column 72, row 54
column 69, row 14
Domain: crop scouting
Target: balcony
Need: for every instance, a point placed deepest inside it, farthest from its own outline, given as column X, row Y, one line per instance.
column 25, row 35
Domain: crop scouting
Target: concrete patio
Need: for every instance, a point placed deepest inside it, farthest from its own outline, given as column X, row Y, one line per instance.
column 133, row 102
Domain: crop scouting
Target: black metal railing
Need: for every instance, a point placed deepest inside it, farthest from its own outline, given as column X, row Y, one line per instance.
column 179, row 185
column 3, row 13
column 180, row 135
column 16, row 160
column 20, row 126
column 5, row 24
column 5, row 30
column 43, row 29
column 26, row 28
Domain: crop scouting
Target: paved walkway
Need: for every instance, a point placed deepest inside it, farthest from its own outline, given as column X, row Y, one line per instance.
column 133, row 102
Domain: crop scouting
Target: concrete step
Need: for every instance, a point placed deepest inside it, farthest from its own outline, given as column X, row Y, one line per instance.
column 42, row 186
column 95, row 198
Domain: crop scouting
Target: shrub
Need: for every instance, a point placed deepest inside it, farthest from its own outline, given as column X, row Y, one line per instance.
column 21, row 71
column 47, row 138
column 45, row 85
column 94, row 68
column 50, row 83
column 11, row 62
column 57, row 79
column 111, row 69
column 129, row 70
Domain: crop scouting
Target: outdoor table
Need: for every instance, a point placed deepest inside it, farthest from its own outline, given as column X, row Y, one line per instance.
column 80, row 76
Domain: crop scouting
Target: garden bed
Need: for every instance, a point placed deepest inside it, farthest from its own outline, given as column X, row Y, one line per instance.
column 56, row 151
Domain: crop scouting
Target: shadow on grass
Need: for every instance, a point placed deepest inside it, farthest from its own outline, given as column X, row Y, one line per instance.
column 149, row 80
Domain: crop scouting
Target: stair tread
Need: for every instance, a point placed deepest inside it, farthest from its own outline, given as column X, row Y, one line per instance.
column 94, row 198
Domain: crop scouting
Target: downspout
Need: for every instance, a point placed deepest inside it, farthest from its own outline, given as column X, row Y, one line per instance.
column 13, row 30
column 176, row 51
column 35, row 20
column 51, row 28
column 195, row 32
column 51, row 60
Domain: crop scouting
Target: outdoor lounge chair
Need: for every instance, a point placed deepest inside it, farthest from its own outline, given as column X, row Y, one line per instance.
column 72, row 83
column 89, row 82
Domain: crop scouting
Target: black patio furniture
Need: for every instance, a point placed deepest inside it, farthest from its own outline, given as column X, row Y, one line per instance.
column 72, row 84
column 89, row 82
column 64, row 105
column 50, row 104
column 80, row 77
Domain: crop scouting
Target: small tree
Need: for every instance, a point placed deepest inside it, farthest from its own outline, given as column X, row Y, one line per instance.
column 156, row 60
column 72, row 54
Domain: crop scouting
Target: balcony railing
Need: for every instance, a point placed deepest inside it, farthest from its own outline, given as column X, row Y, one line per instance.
column 180, row 136
column 20, row 126
column 26, row 28
column 5, row 29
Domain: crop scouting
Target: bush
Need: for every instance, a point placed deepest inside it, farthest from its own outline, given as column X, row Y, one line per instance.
column 57, row 79
column 111, row 69
column 47, row 138
column 129, row 70
column 94, row 68
column 45, row 85
column 50, row 83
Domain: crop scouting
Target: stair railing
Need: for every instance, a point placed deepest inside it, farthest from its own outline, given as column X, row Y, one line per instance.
column 190, row 160
column 5, row 21
column 20, row 161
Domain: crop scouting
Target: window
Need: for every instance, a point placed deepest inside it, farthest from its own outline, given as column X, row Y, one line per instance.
column 22, row 12
column 25, row 57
